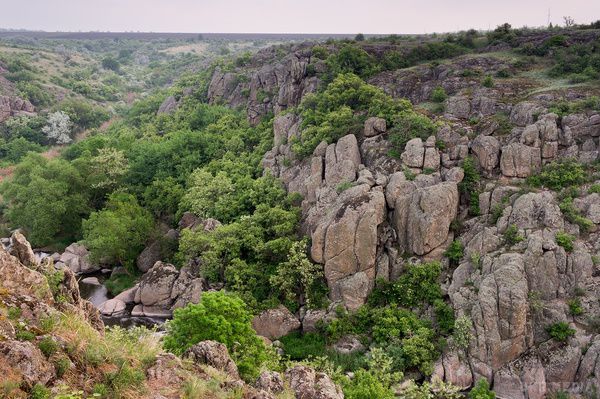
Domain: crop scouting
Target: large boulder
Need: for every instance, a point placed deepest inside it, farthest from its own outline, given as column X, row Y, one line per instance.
column 77, row 258
column 422, row 217
column 345, row 240
column 21, row 280
column 149, row 256
column 155, row 286
column 28, row 361
column 214, row 354
column 306, row 383
column 275, row 323
column 487, row 151
column 374, row 126
column 22, row 250
column 520, row 160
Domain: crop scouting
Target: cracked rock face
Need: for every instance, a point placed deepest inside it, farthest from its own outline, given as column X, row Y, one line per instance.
column 422, row 216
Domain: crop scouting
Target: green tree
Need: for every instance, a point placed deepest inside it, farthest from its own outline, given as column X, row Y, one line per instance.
column 220, row 317
column 298, row 279
column 119, row 231
column 48, row 198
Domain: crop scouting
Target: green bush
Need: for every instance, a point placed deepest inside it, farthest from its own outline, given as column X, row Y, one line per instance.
column 488, row 81
column 444, row 316
column 512, row 236
column 438, row 95
column 365, row 385
column 418, row 285
column 119, row 232
column 573, row 215
column 565, row 240
column 558, row 175
column 469, row 186
column 220, row 317
column 39, row 391
column 47, row 198
column 340, row 110
column 352, row 59
column 575, row 307
column 481, row 390
column 560, row 331
column 48, row 346
column 407, row 125
column 455, row 251
column 300, row 346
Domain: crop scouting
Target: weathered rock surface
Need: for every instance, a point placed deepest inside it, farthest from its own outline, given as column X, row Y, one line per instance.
column 306, row 383
column 214, row 354
column 275, row 323
column 422, row 216
column 77, row 258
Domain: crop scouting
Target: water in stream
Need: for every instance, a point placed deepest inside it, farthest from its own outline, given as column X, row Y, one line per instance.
column 98, row 294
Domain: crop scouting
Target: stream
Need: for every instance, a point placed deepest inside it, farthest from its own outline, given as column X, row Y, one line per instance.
column 96, row 293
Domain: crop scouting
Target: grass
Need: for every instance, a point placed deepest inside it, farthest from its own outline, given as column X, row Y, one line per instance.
column 121, row 356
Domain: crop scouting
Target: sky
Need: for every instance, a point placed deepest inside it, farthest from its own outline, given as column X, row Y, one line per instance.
column 288, row 16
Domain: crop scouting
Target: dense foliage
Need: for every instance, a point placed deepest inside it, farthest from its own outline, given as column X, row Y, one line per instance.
column 224, row 318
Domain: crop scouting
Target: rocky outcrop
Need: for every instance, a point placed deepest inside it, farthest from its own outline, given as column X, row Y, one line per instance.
column 520, row 160
column 160, row 291
column 21, row 248
column 275, row 323
column 14, row 106
column 422, row 216
column 306, row 383
column 169, row 105
column 270, row 83
column 214, row 354
column 77, row 258
column 28, row 361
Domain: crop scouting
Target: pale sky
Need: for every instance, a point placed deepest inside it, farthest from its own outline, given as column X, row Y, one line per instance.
column 288, row 16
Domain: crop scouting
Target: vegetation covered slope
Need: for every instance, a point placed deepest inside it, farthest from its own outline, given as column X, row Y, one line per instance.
column 407, row 231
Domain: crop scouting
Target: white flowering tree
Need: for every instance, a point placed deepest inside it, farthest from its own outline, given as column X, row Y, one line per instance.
column 59, row 128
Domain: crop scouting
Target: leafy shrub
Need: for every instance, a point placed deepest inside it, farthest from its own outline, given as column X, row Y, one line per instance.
column 333, row 113
column 438, row 95
column 39, row 391
column 573, row 215
column 416, row 286
column 365, row 385
column 48, row 346
column 512, row 236
column 111, row 64
column 594, row 189
column 481, row 390
column 47, row 198
column 488, row 81
column 352, row 59
column 298, row 279
column 469, row 186
column 462, row 332
column 444, row 316
column 565, row 240
column 575, row 307
column 300, row 346
column 224, row 318
column 560, row 331
column 119, row 232
column 558, row 175
column 408, row 125
column 244, row 254
column 16, row 149
column 455, row 251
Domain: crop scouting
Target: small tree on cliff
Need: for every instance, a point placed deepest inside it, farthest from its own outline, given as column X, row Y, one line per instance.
column 59, row 127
